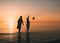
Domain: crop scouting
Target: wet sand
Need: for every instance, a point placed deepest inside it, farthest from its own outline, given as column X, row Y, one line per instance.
column 54, row 41
column 31, row 37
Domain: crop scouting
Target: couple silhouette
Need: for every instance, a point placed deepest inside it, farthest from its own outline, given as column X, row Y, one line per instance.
column 20, row 22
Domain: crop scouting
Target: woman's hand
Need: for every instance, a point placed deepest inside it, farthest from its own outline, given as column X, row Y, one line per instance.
column 23, row 23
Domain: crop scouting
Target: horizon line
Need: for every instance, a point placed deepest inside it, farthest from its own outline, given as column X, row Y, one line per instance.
column 38, row 21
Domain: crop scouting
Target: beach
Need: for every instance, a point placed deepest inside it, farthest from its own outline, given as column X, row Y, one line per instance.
column 31, row 37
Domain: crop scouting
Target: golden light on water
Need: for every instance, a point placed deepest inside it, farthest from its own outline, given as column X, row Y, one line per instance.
column 10, row 22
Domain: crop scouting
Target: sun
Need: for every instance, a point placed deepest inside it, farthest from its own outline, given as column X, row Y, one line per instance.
column 10, row 22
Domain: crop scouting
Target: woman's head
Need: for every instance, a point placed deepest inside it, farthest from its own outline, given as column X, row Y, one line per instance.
column 20, row 17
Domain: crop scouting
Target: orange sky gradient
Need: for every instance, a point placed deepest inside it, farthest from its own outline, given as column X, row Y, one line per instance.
column 12, row 10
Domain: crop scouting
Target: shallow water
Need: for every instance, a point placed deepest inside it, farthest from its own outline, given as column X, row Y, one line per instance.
column 31, row 37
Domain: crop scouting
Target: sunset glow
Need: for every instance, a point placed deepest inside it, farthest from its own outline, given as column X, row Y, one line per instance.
column 10, row 22
column 43, row 11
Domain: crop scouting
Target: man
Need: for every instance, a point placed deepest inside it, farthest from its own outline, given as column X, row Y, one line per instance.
column 28, row 24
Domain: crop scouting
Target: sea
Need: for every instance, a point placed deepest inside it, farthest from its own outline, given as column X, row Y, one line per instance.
column 39, row 33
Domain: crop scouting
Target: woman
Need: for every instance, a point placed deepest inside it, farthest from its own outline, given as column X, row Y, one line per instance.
column 20, row 22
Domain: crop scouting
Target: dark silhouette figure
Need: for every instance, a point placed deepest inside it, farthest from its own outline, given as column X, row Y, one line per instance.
column 28, row 24
column 27, row 37
column 19, row 37
column 20, row 21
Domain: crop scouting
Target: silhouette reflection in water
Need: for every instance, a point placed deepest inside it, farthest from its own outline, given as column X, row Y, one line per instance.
column 27, row 37
column 19, row 37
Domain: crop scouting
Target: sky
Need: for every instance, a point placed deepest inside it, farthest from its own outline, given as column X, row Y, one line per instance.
column 42, row 10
